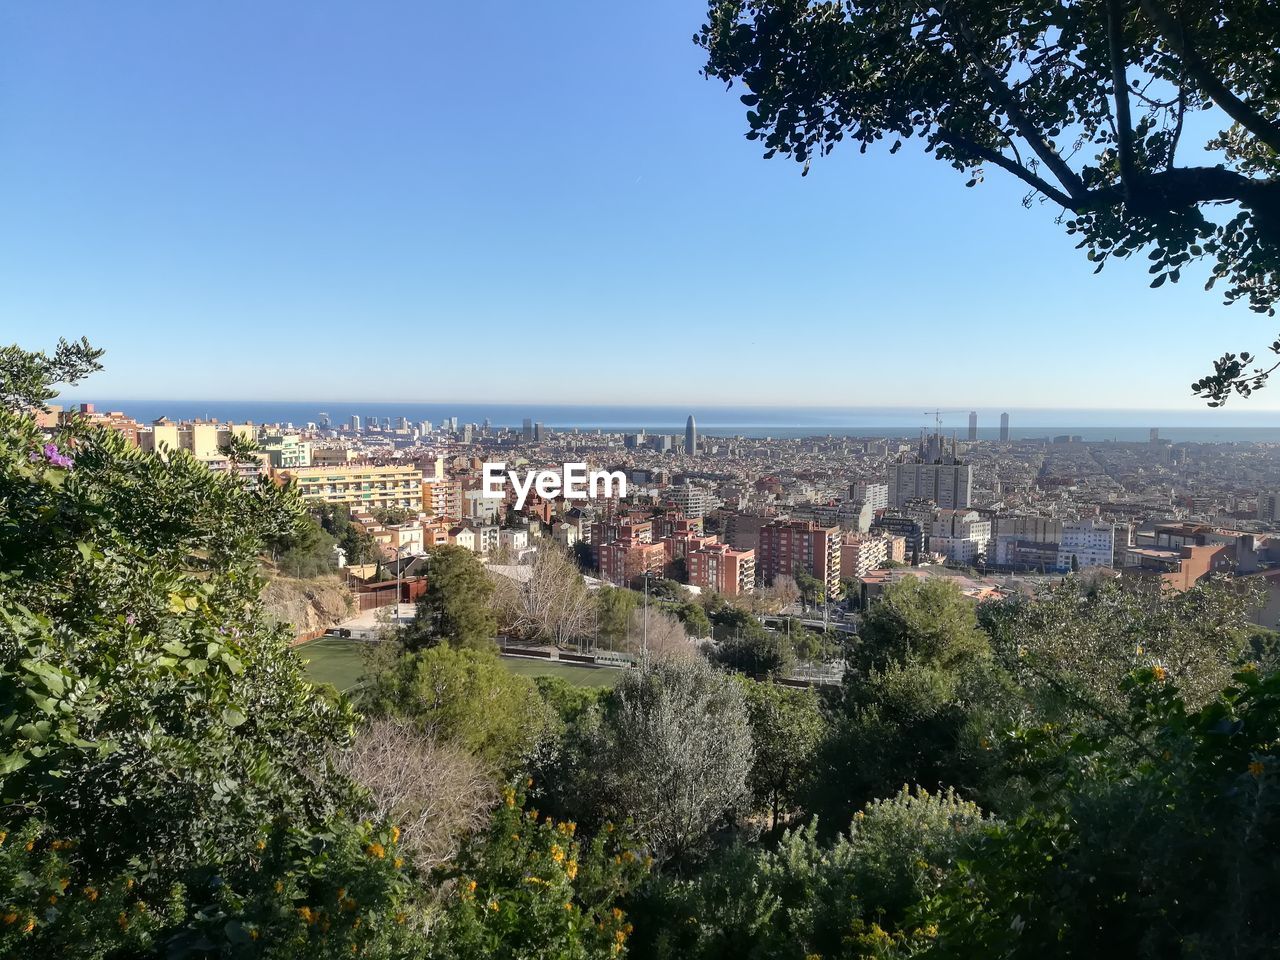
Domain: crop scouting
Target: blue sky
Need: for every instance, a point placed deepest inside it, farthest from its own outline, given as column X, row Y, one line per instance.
column 513, row 201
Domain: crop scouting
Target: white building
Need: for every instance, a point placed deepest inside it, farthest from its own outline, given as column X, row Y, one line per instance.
column 874, row 495
column 1090, row 542
column 692, row 501
column 961, row 536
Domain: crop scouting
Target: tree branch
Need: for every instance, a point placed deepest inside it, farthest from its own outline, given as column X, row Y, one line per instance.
column 1001, row 95
column 979, row 152
column 1266, row 130
column 1124, row 120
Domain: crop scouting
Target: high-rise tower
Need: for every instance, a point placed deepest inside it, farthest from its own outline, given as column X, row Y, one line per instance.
column 691, row 437
column 973, row 425
column 1004, row 428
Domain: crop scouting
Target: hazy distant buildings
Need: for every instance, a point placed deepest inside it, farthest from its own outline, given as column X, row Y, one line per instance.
column 539, row 433
column 691, row 437
column 528, row 430
column 355, row 422
column 1004, row 428
column 973, row 425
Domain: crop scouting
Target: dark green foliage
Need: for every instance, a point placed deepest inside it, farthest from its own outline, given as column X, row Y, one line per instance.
column 455, row 608
column 786, row 727
column 335, row 520
column 306, row 551
column 1160, row 842
column 847, row 899
column 694, row 619
column 746, row 646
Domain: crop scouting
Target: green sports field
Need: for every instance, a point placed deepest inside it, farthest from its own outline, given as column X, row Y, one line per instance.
column 340, row 662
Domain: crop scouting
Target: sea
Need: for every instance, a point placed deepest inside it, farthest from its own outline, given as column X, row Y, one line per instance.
column 1239, row 425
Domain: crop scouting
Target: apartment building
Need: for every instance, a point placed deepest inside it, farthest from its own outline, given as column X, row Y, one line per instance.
column 862, row 553
column 366, row 487
column 203, row 439
column 623, row 562
column 717, row 566
column 1089, row 543
column 690, row 500
column 788, row 544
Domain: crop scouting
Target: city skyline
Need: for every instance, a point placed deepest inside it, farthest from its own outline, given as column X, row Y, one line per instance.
column 232, row 232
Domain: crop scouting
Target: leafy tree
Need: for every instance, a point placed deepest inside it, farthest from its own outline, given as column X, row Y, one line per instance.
column 751, row 649
column 306, row 551
column 812, row 590
column 1070, row 647
column 851, row 898
column 672, row 754
column 786, row 728
column 461, row 695
column 919, row 700
column 1158, row 841
column 694, row 619
column 391, row 516
column 614, row 606
column 1085, row 102
column 927, row 619
column 455, row 608
column 160, row 750
column 335, row 520
column 27, row 379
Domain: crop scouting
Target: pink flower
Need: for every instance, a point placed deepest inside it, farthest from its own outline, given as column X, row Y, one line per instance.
column 56, row 458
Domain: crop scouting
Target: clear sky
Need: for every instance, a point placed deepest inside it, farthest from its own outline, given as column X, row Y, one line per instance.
column 512, row 202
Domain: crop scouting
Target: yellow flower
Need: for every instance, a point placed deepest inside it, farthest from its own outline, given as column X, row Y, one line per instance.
column 122, row 920
column 619, row 936
column 1159, row 672
column 984, row 743
column 279, row 887
column 3, row 837
column 31, row 925
column 31, row 845
column 305, row 913
column 571, row 869
column 401, row 918
column 64, row 883
column 493, row 905
column 253, row 934
column 471, row 887
column 262, row 844
column 617, row 913
column 376, row 849
column 568, row 906
column 556, row 853
column 1256, row 768
column 529, row 782
column 398, row 862
column 53, row 898
column 10, row 917
column 628, row 856
column 128, row 884
column 395, row 834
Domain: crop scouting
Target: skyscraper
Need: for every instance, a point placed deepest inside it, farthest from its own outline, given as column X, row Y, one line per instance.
column 691, row 437
column 973, row 425
column 1004, row 428
column 528, row 429
column 355, row 422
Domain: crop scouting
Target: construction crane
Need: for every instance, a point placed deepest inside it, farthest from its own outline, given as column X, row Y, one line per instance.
column 937, row 418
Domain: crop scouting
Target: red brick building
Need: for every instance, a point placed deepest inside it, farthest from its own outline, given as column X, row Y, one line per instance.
column 719, row 567
column 788, row 544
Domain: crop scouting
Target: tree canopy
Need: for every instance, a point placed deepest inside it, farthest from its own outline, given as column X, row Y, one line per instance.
column 1087, row 102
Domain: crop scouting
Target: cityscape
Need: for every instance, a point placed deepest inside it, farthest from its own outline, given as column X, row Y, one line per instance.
column 748, row 480
column 731, row 513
